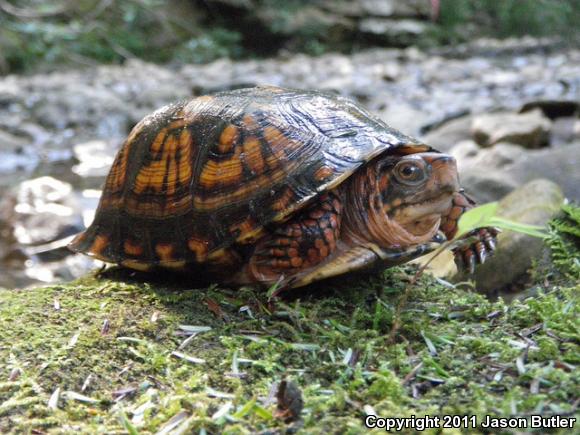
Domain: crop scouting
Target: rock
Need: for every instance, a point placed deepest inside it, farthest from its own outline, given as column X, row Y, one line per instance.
column 11, row 142
column 564, row 131
column 559, row 165
column 45, row 210
column 530, row 129
column 469, row 156
column 404, row 117
column 450, row 133
column 95, row 159
column 553, row 108
column 534, row 203
column 488, row 174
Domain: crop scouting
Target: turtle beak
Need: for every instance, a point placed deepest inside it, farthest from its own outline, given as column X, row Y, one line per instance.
column 444, row 170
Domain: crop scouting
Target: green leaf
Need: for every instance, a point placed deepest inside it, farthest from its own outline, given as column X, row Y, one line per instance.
column 530, row 230
column 476, row 218
column 263, row 413
column 486, row 216
column 131, row 429
column 249, row 406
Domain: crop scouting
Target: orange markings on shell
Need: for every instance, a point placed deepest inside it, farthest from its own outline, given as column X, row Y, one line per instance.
column 323, row 173
column 249, row 230
column 228, row 139
column 253, row 154
column 250, row 123
column 165, row 252
column 199, row 247
column 222, row 173
column 99, row 245
column 132, row 248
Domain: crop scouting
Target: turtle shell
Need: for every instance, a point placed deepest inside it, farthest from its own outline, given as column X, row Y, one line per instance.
column 195, row 177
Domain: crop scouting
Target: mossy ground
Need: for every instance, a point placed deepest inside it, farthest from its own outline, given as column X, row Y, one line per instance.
column 379, row 343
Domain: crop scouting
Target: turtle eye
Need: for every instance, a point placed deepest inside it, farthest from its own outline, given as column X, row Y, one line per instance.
column 410, row 172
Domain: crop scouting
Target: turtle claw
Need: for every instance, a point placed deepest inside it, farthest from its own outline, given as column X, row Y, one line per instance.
column 481, row 254
column 471, row 262
column 468, row 257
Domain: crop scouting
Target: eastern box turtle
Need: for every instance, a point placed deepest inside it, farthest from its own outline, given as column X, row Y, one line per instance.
column 269, row 185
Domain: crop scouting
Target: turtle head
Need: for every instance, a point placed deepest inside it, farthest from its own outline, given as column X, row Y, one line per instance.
column 399, row 200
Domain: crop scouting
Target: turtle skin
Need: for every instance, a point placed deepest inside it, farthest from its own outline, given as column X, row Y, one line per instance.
column 212, row 184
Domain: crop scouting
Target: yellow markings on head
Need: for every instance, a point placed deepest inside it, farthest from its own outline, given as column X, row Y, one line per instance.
column 253, row 154
column 136, row 265
column 228, row 139
column 132, row 248
column 164, row 252
column 397, row 202
column 199, row 247
column 99, row 244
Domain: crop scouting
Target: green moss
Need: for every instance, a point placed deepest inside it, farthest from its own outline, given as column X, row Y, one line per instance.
column 453, row 352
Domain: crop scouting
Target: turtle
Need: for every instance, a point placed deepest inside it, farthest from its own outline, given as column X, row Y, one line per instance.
column 272, row 186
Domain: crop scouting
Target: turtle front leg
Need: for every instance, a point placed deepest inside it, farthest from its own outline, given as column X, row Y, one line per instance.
column 296, row 246
column 466, row 257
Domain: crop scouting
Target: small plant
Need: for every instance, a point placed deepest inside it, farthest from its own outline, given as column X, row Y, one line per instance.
column 564, row 241
column 486, row 216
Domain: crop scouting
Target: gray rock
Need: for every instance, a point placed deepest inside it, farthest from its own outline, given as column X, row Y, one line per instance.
column 534, row 203
column 471, row 157
column 449, row 134
column 565, row 130
column 490, row 173
column 559, row 165
column 530, row 129
column 95, row 158
column 45, row 210
column 404, row 117
column 554, row 108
